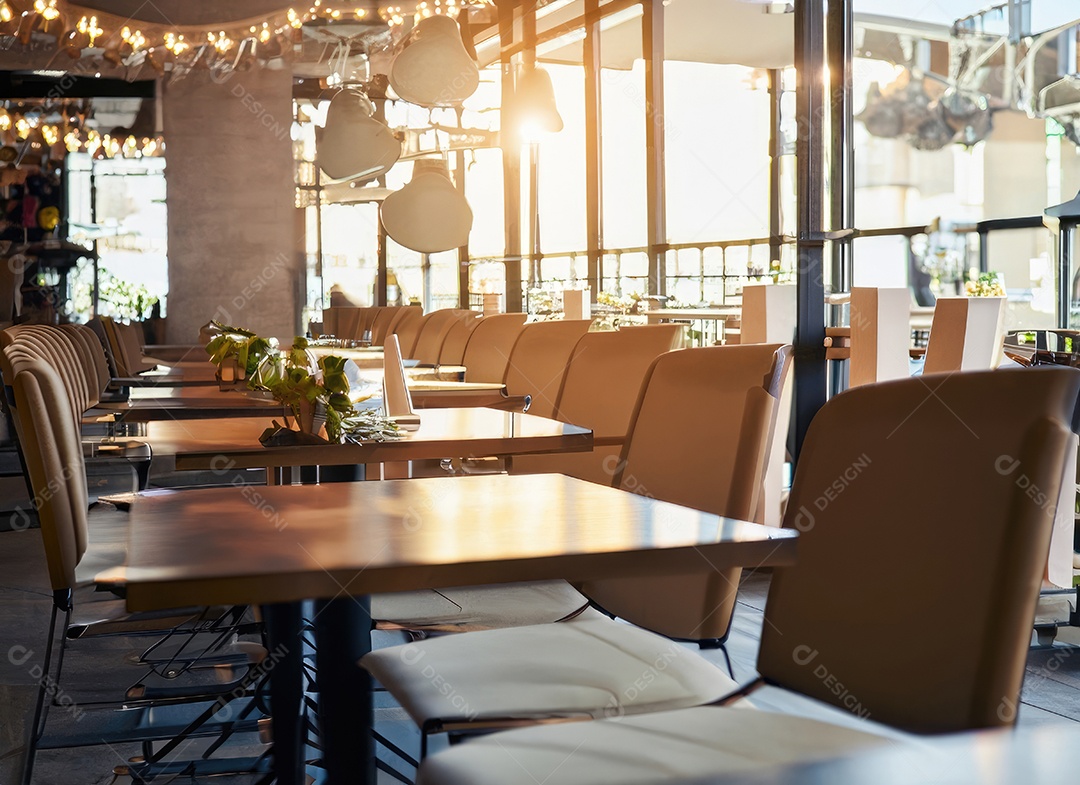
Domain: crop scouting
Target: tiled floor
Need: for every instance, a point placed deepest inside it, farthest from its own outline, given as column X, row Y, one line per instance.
column 1051, row 692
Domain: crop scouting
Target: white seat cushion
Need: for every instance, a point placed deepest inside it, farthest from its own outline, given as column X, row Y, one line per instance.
column 590, row 666
column 478, row 607
column 652, row 748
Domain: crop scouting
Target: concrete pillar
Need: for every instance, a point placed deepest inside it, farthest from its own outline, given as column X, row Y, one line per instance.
column 233, row 250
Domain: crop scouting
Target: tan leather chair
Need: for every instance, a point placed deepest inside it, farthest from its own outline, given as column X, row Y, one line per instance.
column 380, row 325
column 714, row 408
column 453, row 348
column 856, row 623
column 965, row 335
column 488, row 351
column 347, row 322
column 429, row 342
column 408, row 330
column 539, row 361
column 599, row 392
column 399, row 314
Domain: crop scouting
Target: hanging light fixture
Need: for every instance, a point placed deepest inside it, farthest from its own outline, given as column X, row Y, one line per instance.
column 353, row 144
column 432, row 68
column 428, row 215
column 534, row 111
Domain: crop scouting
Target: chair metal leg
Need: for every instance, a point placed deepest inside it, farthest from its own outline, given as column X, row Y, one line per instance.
column 61, row 602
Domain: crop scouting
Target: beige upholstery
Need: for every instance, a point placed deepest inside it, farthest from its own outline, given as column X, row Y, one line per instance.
column 561, row 670
column 54, row 463
column 347, row 322
column 408, row 330
column 489, row 348
column 399, row 315
column 965, row 335
column 844, row 625
column 700, row 437
column 501, row 674
column 599, row 392
column 453, row 348
column 437, row 326
column 380, row 325
column 964, row 524
column 131, row 339
column 676, row 746
column 539, row 360
column 93, row 354
column 468, row 608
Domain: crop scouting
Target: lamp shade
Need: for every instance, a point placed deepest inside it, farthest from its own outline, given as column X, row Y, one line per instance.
column 353, row 144
column 534, row 104
column 432, row 68
column 428, row 215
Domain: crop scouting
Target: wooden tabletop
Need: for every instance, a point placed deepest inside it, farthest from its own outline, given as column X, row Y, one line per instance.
column 202, row 403
column 443, row 433
column 253, row 544
column 722, row 312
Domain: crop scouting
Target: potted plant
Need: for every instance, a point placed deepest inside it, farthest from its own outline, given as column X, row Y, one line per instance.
column 316, row 392
column 237, row 353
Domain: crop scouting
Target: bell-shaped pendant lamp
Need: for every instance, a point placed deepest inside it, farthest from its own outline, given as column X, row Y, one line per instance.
column 433, row 68
column 353, row 144
column 428, row 215
column 535, row 111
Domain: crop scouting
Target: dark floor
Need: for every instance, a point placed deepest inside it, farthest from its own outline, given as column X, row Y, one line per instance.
column 95, row 670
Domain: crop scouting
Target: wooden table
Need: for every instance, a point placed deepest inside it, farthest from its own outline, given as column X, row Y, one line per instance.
column 338, row 543
column 185, row 374
column 443, row 433
column 202, row 403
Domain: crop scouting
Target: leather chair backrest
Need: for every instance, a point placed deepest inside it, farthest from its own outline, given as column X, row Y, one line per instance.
column 97, row 325
column 700, row 434
column 97, row 365
column 58, row 349
column 599, row 392
column 539, row 361
column 488, row 351
column 131, row 343
column 438, row 325
column 347, row 321
column 908, row 495
column 457, row 338
column 380, row 325
column 49, row 437
column 408, row 330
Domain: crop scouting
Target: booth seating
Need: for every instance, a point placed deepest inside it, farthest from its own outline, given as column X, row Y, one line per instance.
column 854, row 626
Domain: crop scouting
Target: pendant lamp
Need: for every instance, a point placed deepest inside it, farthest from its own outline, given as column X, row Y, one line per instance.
column 353, row 144
column 428, row 215
column 534, row 104
column 433, row 68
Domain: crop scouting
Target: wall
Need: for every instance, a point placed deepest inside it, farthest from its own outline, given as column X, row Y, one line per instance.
column 233, row 250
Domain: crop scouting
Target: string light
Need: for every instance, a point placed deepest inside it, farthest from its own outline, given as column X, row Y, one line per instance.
column 51, row 134
column 72, row 141
column 89, row 27
column 47, row 9
column 22, row 128
column 176, row 43
column 6, row 14
column 5, row 120
column 136, row 40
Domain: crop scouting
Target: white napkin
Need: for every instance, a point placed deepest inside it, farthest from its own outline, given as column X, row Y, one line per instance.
column 396, row 396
